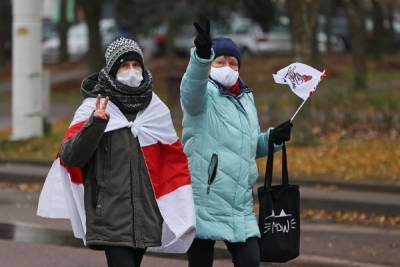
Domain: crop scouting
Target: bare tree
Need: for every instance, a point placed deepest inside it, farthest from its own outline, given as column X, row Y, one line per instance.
column 329, row 13
column 303, row 24
column 261, row 11
column 356, row 20
column 390, row 9
column 63, row 31
column 378, row 44
column 140, row 16
column 5, row 31
column 92, row 11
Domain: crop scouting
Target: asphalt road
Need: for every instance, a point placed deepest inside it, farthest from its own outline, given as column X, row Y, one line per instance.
column 25, row 254
column 27, row 240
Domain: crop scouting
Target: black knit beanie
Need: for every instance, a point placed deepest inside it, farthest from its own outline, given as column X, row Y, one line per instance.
column 123, row 58
column 121, row 50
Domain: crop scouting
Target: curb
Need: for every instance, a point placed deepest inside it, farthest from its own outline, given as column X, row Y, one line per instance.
column 337, row 205
column 368, row 185
column 24, row 177
column 40, row 169
column 357, row 186
column 43, row 163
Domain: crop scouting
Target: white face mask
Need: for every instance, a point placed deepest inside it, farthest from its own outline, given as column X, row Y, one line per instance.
column 130, row 77
column 224, row 75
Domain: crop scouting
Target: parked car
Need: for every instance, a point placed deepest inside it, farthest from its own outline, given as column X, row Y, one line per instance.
column 77, row 41
column 340, row 29
column 251, row 39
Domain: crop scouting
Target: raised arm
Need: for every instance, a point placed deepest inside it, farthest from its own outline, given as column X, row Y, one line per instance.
column 76, row 151
column 193, row 87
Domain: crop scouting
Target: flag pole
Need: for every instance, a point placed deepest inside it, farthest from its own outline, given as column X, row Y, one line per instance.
column 298, row 109
column 323, row 75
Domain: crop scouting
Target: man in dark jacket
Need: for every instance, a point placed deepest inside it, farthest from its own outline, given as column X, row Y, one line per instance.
column 122, row 216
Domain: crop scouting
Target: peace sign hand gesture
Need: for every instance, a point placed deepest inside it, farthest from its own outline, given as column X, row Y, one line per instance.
column 100, row 111
column 203, row 40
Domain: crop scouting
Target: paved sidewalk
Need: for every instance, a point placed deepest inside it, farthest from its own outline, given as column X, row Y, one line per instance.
column 378, row 201
column 345, row 199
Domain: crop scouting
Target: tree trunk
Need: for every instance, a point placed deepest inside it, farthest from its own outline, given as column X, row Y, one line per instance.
column 303, row 22
column 316, row 54
column 356, row 20
column 5, row 31
column 328, row 24
column 378, row 44
column 63, row 32
column 391, row 37
column 261, row 11
column 92, row 11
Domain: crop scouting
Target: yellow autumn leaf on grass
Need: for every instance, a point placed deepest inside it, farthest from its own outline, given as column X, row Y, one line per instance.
column 354, row 217
column 351, row 159
column 42, row 148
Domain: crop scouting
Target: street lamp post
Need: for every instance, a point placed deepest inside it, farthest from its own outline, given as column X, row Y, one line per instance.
column 27, row 70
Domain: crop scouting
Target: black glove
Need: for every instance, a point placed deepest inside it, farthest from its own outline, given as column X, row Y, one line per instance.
column 281, row 133
column 203, row 41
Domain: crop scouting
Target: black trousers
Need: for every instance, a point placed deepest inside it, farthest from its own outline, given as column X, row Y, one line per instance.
column 245, row 254
column 124, row 256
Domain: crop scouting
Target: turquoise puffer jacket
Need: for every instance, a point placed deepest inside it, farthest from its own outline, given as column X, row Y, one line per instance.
column 214, row 122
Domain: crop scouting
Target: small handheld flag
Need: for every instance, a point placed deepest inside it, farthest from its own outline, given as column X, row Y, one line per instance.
column 302, row 80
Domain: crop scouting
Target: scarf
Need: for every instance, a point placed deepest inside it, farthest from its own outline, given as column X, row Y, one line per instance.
column 235, row 89
column 128, row 99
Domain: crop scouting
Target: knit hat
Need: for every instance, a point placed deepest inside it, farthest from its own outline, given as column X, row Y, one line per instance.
column 225, row 47
column 121, row 50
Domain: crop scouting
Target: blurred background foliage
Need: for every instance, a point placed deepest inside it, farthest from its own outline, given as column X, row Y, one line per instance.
column 348, row 130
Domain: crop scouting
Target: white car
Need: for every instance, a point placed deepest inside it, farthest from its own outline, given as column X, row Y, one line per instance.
column 251, row 39
column 78, row 41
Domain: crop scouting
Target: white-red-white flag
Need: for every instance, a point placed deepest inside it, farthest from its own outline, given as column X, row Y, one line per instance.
column 301, row 78
column 62, row 195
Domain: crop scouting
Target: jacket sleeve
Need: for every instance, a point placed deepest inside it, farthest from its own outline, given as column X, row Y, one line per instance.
column 77, row 151
column 262, row 144
column 193, row 87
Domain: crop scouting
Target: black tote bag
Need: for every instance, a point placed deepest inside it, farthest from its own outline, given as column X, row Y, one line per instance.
column 279, row 214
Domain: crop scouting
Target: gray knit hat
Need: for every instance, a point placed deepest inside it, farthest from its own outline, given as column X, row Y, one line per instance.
column 120, row 47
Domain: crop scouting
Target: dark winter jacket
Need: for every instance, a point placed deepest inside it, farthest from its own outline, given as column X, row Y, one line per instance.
column 120, row 205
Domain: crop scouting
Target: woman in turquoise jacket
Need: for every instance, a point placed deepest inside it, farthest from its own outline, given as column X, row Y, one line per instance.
column 222, row 139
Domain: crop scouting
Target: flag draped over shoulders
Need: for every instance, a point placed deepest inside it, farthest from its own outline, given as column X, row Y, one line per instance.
column 62, row 195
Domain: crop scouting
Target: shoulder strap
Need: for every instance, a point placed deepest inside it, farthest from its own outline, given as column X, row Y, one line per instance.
column 270, row 165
